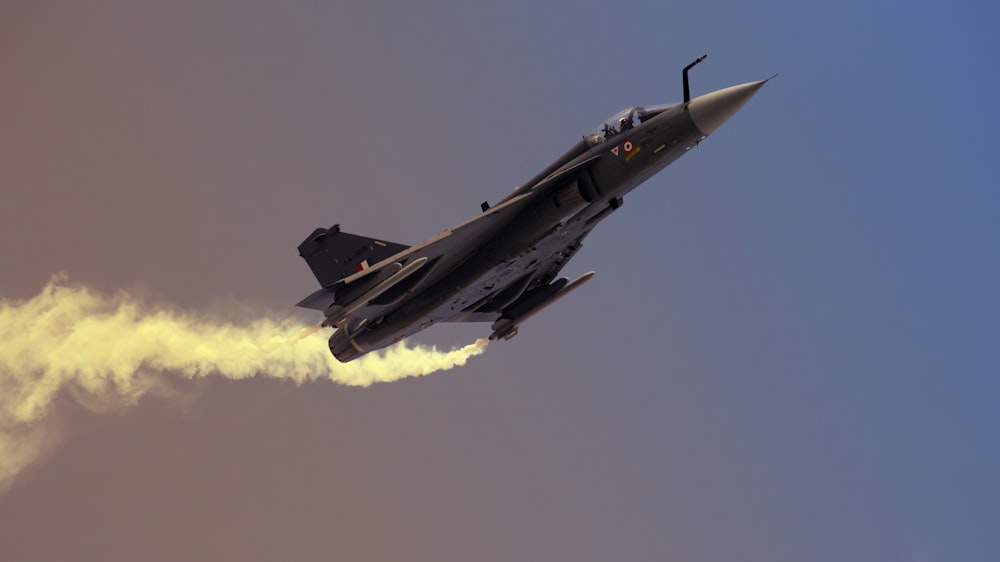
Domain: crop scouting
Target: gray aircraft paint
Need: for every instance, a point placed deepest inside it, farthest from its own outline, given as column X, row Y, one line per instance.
column 502, row 266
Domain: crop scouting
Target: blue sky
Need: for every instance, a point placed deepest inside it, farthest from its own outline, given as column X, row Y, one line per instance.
column 789, row 351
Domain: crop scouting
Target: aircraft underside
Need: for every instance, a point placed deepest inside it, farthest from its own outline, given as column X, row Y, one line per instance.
column 502, row 266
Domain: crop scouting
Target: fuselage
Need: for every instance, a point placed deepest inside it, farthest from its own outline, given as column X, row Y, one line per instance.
column 521, row 256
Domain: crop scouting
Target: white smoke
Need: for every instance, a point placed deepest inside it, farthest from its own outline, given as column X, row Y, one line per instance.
column 110, row 351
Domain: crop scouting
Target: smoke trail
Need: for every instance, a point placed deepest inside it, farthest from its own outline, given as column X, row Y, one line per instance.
column 108, row 349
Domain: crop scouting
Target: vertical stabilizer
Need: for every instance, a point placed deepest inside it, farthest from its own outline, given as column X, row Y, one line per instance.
column 333, row 255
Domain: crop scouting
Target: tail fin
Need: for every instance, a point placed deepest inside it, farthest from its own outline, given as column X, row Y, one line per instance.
column 333, row 255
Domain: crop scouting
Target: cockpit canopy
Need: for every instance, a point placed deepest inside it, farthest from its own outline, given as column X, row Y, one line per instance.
column 623, row 121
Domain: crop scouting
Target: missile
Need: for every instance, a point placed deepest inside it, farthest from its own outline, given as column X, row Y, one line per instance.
column 506, row 328
column 337, row 313
column 377, row 268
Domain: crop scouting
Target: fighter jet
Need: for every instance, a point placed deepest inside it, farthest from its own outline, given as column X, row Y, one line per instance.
column 501, row 266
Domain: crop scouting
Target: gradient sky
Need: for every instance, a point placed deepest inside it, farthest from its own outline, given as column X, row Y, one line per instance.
column 789, row 351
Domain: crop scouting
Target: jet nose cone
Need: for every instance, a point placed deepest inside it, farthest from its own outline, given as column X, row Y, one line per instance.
column 713, row 109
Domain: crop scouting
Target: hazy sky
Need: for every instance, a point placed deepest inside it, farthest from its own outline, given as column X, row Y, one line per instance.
column 789, row 351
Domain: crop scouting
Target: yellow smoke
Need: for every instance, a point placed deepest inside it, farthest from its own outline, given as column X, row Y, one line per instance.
column 106, row 350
